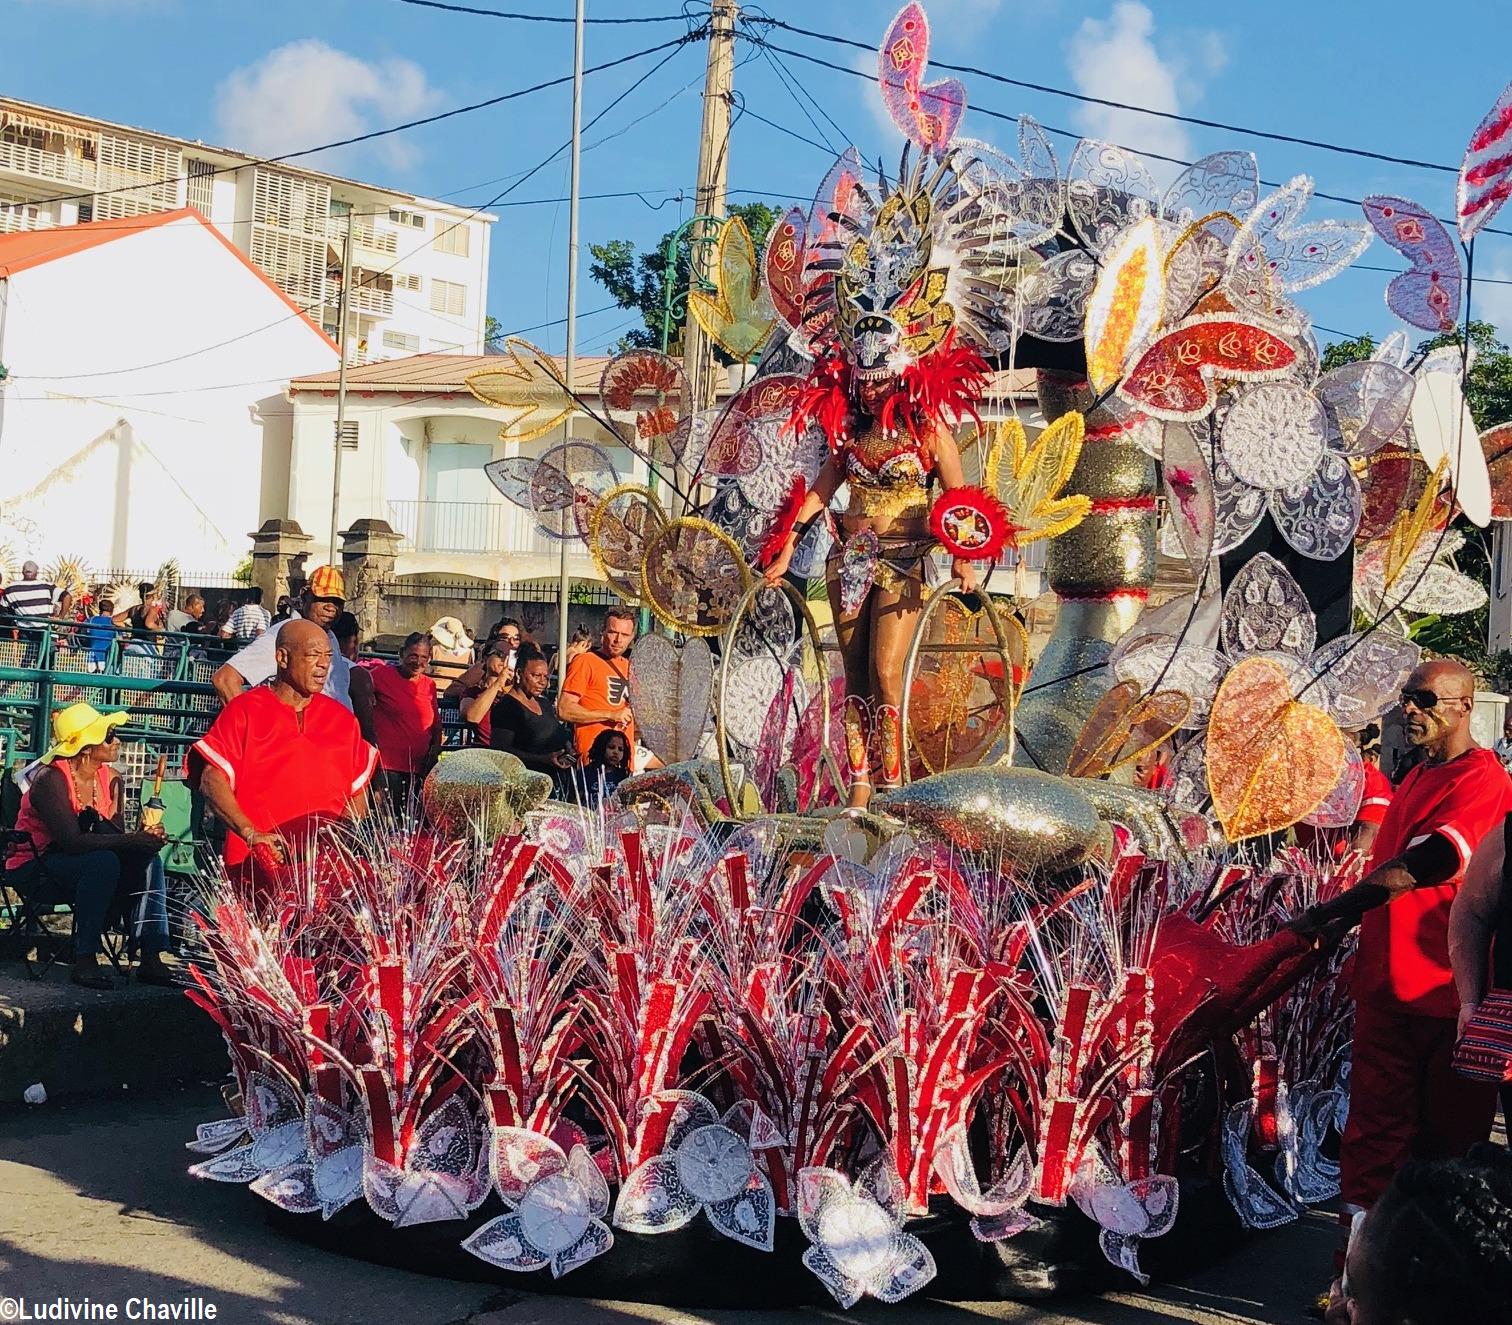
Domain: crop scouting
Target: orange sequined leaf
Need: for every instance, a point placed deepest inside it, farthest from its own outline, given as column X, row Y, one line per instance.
column 1271, row 759
column 1122, row 726
column 1175, row 378
column 1124, row 306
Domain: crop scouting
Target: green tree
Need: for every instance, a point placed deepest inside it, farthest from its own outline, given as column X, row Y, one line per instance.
column 637, row 281
column 1489, row 390
column 1489, row 395
column 493, row 331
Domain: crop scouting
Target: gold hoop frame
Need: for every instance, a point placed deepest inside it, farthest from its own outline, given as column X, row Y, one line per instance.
column 659, row 610
column 938, row 599
column 595, row 521
column 726, row 656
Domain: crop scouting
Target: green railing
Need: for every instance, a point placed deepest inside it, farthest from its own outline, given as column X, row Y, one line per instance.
column 48, row 667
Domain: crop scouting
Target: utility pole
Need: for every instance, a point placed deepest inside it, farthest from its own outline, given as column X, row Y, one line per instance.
column 1499, row 618
column 343, row 309
column 564, row 588
column 713, row 172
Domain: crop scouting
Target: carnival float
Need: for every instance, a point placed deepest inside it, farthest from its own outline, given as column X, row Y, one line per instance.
column 890, row 981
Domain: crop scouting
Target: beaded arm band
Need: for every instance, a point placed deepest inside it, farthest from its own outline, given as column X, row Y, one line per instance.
column 970, row 523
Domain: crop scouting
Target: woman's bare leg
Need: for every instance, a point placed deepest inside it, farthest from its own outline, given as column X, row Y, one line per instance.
column 853, row 632
column 894, row 618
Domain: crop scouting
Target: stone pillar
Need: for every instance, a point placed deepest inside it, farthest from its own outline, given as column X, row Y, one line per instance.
column 279, row 552
column 369, row 552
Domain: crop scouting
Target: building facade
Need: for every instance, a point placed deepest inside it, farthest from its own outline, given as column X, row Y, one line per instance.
column 419, row 267
column 144, row 412
column 417, row 443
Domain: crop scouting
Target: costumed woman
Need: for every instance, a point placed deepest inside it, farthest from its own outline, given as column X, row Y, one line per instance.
column 887, row 395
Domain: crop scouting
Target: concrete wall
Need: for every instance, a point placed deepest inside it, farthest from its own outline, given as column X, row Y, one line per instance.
column 145, row 416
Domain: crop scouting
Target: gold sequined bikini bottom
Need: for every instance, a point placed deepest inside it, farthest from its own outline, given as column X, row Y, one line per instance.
column 903, row 559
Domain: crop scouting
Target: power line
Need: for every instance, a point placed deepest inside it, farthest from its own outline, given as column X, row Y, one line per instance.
column 366, row 281
column 1067, row 133
column 782, row 78
column 793, row 81
column 541, row 18
column 782, row 128
column 377, row 133
column 227, row 386
column 1118, row 105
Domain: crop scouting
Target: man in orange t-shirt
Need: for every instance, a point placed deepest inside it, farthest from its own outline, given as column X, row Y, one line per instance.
column 595, row 696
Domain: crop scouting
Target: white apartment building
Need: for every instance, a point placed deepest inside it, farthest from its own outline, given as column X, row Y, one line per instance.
column 419, row 267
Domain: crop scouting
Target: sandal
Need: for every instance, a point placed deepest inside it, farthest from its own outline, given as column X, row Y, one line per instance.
column 86, row 973
column 153, row 972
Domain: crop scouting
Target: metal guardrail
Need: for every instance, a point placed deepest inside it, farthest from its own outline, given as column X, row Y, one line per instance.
column 46, row 668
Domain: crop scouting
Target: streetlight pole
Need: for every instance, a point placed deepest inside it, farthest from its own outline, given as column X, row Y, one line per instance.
column 341, row 385
column 564, row 588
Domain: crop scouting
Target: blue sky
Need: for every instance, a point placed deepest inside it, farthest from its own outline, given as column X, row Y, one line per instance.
column 277, row 75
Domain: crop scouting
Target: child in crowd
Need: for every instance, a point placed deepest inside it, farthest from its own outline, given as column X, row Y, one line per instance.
column 608, row 765
column 99, row 631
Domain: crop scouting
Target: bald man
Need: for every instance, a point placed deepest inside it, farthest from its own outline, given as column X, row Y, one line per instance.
column 1405, row 1102
column 281, row 758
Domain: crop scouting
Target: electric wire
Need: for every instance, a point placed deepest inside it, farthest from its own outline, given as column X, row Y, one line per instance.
column 366, row 282
column 992, row 113
column 1087, row 99
column 373, row 134
column 771, row 60
column 542, row 18
column 793, row 80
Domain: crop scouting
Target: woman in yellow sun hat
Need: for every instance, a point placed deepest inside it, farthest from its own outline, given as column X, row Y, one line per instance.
column 72, row 814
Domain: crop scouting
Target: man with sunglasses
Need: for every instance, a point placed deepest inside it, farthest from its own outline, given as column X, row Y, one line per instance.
column 1405, row 1100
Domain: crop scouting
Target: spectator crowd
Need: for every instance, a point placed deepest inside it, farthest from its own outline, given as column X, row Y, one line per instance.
column 310, row 725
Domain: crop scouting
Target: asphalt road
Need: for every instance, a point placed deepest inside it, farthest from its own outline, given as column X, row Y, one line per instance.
column 95, row 1202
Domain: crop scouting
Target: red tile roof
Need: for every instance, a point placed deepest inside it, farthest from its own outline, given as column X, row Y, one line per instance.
column 32, row 248
column 435, row 373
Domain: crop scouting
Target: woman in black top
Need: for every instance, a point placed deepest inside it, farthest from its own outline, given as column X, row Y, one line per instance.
column 525, row 723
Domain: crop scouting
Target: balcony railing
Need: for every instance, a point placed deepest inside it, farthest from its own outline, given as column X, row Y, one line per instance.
column 59, row 166
column 370, row 299
column 366, row 237
column 452, row 526
column 20, row 216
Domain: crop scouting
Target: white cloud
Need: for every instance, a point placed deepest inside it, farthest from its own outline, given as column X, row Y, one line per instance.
column 306, row 92
column 1117, row 58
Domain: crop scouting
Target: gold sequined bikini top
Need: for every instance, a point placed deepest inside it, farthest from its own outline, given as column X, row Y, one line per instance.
column 888, row 477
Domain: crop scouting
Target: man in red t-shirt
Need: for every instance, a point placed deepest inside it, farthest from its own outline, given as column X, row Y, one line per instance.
column 595, row 696
column 406, row 719
column 1405, row 1101
column 282, row 757
column 1374, row 803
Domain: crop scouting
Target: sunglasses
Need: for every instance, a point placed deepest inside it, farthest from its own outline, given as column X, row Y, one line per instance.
column 1424, row 700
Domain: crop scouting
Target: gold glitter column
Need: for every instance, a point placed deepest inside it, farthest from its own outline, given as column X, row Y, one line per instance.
column 1101, row 570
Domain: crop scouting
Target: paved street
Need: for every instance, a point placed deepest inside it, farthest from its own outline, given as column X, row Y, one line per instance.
column 94, row 1201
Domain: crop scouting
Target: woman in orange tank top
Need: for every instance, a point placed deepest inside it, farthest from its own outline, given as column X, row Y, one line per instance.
column 71, row 813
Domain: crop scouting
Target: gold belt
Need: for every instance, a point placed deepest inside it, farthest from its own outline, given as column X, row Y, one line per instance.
column 890, row 501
